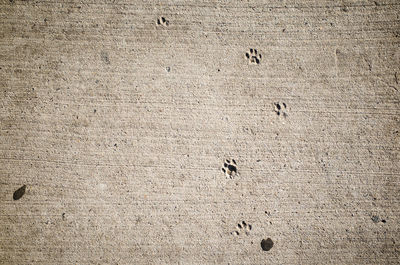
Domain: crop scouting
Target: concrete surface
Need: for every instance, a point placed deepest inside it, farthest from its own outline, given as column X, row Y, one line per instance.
column 119, row 117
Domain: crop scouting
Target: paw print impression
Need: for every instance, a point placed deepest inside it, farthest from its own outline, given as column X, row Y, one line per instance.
column 280, row 108
column 241, row 228
column 253, row 56
column 230, row 168
column 162, row 21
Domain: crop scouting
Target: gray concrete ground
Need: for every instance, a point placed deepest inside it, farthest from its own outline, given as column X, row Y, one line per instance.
column 199, row 132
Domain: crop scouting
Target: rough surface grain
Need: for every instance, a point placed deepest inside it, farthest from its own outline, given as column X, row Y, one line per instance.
column 165, row 132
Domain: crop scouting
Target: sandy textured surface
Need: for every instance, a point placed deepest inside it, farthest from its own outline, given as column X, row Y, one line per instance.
column 119, row 117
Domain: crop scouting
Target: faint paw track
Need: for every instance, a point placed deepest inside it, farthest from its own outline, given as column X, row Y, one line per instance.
column 230, row 168
column 162, row 21
column 253, row 56
column 280, row 108
column 242, row 227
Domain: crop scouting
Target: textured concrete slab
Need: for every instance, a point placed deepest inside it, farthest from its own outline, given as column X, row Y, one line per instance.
column 199, row 132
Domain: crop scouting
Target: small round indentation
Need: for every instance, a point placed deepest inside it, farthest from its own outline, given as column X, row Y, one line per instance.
column 267, row 244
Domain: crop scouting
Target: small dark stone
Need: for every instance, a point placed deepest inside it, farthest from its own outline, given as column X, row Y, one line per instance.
column 19, row 193
column 267, row 244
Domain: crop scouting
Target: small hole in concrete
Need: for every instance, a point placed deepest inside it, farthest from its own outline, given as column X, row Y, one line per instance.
column 267, row 244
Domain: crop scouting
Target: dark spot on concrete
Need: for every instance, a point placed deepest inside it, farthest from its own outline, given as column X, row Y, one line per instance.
column 94, row 111
column 267, row 244
column 383, row 221
column 375, row 219
column 104, row 57
column 63, row 216
column 168, row 69
column 19, row 193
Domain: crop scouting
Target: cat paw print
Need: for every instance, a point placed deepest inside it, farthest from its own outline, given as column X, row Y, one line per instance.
column 230, row 168
column 253, row 56
column 162, row 21
column 242, row 228
column 280, row 109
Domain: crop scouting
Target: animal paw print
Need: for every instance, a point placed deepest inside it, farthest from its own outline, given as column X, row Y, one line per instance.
column 242, row 227
column 162, row 21
column 230, row 168
column 280, row 108
column 253, row 56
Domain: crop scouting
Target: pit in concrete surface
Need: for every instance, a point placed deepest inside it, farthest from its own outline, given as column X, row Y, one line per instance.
column 267, row 244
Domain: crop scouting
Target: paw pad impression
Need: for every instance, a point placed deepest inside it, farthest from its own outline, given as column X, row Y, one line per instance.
column 230, row 168
column 253, row 56
column 242, row 227
column 280, row 108
column 162, row 21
